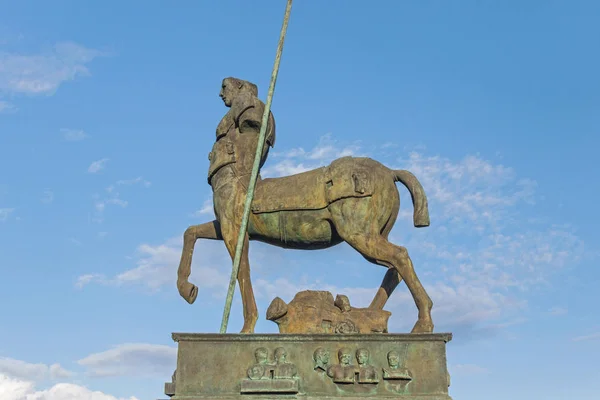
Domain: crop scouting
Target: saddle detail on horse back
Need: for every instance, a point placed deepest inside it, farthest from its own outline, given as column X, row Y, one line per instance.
column 315, row 189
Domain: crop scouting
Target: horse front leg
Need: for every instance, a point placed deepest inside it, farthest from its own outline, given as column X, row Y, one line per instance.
column 208, row 230
column 230, row 236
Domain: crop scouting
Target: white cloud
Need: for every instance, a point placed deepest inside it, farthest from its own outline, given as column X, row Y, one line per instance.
column 114, row 198
column 5, row 213
column 7, row 108
column 132, row 359
column 32, row 372
column 87, row 278
column 157, row 267
column 592, row 336
column 43, row 73
column 73, row 135
column 58, row 372
column 97, row 166
column 207, row 209
column 298, row 160
column 19, row 389
column 138, row 180
column 472, row 191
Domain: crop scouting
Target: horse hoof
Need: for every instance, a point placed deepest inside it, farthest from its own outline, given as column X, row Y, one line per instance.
column 423, row 327
column 193, row 294
column 188, row 291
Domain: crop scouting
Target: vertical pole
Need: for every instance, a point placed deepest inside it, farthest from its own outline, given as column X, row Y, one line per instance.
column 256, row 166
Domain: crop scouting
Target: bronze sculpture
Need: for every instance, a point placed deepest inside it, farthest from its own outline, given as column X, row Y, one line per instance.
column 353, row 200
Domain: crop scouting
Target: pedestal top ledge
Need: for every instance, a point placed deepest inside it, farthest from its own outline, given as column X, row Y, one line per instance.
column 236, row 337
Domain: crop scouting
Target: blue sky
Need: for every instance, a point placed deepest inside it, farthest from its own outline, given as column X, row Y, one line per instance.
column 107, row 113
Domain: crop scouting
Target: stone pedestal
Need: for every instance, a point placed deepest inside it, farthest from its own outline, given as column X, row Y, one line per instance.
column 310, row 366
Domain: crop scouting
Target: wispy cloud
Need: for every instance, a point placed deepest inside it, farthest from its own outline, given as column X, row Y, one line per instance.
column 30, row 371
column 592, row 336
column 73, row 135
column 5, row 213
column 156, row 265
column 136, row 181
column 87, row 278
column 113, row 197
column 132, row 359
column 97, row 166
column 44, row 72
column 299, row 160
column 207, row 209
column 7, row 108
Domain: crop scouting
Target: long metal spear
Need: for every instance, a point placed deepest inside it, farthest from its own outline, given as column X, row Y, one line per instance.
column 255, row 167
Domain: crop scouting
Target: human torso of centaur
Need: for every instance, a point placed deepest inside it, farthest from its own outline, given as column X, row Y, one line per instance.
column 233, row 153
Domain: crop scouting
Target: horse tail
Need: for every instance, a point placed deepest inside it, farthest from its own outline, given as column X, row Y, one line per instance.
column 417, row 193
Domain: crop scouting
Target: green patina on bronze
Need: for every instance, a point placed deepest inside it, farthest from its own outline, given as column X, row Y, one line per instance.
column 393, row 366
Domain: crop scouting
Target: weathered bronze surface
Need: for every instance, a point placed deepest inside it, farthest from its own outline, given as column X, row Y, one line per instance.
column 317, row 312
column 353, row 200
column 317, row 366
column 279, row 376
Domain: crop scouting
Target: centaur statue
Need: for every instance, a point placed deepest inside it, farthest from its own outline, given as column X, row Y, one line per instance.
column 352, row 200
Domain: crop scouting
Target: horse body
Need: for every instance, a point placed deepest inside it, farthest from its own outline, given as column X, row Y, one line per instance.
column 309, row 220
column 305, row 230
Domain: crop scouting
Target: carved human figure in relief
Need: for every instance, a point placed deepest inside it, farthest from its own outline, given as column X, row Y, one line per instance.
column 366, row 373
column 283, row 369
column 395, row 371
column 321, row 359
column 265, row 377
column 260, row 369
column 344, row 372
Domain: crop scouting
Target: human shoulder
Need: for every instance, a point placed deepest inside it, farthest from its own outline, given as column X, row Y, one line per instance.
column 242, row 103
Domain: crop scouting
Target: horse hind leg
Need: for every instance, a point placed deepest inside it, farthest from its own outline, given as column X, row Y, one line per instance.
column 381, row 251
column 392, row 278
column 390, row 281
column 230, row 231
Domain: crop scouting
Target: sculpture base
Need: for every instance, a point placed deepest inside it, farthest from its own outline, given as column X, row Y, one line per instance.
column 324, row 366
